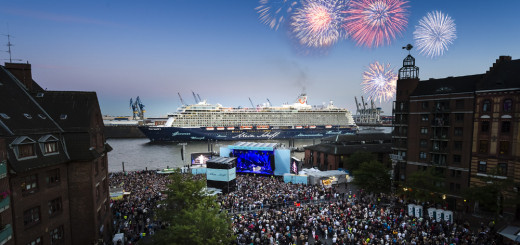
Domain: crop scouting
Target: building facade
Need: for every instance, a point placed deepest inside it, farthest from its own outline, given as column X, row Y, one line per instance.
column 55, row 160
column 332, row 153
column 438, row 124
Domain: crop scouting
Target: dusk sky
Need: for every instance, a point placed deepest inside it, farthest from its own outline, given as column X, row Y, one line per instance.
column 221, row 51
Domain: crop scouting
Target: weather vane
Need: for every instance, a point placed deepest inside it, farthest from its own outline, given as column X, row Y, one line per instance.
column 408, row 47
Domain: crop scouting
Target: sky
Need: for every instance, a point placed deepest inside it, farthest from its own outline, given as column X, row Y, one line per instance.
column 221, row 51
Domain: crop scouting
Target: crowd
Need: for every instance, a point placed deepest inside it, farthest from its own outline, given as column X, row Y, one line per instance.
column 134, row 214
column 265, row 210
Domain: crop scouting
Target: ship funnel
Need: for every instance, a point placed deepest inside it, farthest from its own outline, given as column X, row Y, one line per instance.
column 302, row 99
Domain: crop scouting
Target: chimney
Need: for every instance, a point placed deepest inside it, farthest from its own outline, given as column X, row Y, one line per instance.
column 22, row 72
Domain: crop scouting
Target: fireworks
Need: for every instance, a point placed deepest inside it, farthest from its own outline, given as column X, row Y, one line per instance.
column 273, row 12
column 379, row 82
column 434, row 33
column 318, row 22
column 375, row 22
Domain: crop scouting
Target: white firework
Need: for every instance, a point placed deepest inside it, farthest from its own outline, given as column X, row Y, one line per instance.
column 434, row 33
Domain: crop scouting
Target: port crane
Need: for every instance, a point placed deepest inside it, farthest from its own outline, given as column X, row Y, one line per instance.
column 195, row 97
column 137, row 109
column 182, row 101
column 252, row 105
column 367, row 116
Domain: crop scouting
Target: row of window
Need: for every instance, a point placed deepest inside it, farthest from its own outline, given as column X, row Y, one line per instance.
column 440, row 159
column 504, row 147
column 30, row 183
column 505, row 126
column 25, row 147
column 501, row 168
column 507, row 105
column 32, row 216
column 55, row 235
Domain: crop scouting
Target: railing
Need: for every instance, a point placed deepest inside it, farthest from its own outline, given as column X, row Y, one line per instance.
column 4, row 204
column 6, row 233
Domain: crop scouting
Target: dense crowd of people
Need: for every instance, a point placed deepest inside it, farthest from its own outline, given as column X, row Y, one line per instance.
column 265, row 210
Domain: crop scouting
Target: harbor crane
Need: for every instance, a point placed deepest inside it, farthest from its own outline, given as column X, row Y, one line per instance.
column 253, row 106
column 198, row 96
column 270, row 104
column 180, row 97
column 195, row 97
column 137, row 109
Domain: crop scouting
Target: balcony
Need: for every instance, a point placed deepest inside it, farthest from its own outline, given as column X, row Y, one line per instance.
column 3, row 170
column 6, row 234
column 440, row 122
column 4, row 204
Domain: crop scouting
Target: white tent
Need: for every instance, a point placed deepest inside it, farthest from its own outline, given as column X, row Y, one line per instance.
column 330, row 177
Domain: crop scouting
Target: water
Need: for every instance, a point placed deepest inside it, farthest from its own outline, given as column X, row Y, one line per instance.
column 139, row 154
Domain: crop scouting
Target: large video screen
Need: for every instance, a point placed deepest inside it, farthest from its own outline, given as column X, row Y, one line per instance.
column 200, row 158
column 258, row 162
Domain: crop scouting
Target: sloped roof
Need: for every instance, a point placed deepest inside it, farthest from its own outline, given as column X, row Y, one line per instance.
column 449, row 85
column 72, row 110
column 24, row 114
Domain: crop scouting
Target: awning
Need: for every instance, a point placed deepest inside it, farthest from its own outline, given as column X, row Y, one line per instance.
column 511, row 232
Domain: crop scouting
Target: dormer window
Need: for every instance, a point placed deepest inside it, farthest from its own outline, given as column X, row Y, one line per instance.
column 63, row 116
column 48, row 145
column 39, row 95
column 28, row 116
column 24, row 148
column 4, row 116
column 42, row 116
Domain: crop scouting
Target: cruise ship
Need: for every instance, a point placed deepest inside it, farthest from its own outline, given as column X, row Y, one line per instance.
column 203, row 121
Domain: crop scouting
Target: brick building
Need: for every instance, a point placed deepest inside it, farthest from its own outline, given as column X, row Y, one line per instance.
column 55, row 160
column 332, row 153
column 436, row 122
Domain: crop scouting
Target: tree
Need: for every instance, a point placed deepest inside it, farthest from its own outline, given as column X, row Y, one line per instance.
column 373, row 177
column 424, row 185
column 355, row 160
column 493, row 193
column 194, row 217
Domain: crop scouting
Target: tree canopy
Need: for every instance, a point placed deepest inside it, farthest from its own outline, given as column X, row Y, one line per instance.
column 424, row 185
column 194, row 217
column 373, row 177
column 355, row 160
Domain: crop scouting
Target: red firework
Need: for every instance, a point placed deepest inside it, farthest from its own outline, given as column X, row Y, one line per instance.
column 376, row 22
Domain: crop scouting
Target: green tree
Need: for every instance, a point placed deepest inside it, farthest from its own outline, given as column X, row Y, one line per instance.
column 373, row 177
column 355, row 160
column 493, row 193
column 424, row 185
column 194, row 217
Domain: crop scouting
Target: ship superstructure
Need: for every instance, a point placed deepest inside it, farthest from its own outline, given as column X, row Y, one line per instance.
column 203, row 121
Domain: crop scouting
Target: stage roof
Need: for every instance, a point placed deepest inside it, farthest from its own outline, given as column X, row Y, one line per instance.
column 253, row 146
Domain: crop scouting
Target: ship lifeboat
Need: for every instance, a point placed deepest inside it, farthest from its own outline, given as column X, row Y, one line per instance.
column 246, row 127
column 298, row 127
column 220, row 128
column 230, row 128
column 328, row 126
column 312, row 127
column 262, row 127
column 210, row 128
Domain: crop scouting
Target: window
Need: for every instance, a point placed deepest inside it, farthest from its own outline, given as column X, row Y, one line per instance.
column 459, row 104
column 456, row 158
column 502, row 169
column 504, row 147
column 506, row 127
column 51, row 147
column 53, row 176
column 483, row 147
column 482, row 167
column 56, row 235
column 30, row 184
column 424, row 117
column 424, row 130
column 484, row 127
column 31, row 216
column 26, row 150
column 508, row 105
column 425, row 104
column 55, row 206
column 459, row 117
column 424, row 143
column 37, row 241
column 486, row 106
column 458, row 132
column 457, row 145
column 422, row 155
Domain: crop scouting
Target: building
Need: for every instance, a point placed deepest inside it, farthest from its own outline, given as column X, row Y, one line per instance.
column 54, row 154
column 332, row 153
column 437, row 121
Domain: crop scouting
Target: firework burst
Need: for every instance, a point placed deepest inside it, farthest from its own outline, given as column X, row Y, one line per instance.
column 318, row 22
column 379, row 82
column 434, row 33
column 273, row 12
column 376, row 22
